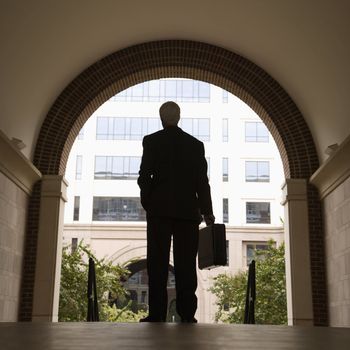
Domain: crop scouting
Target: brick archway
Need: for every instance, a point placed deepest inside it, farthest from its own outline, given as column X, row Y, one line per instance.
column 187, row 59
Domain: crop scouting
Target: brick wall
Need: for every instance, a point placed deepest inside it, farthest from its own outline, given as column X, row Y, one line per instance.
column 187, row 59
column 29, row 262
column 317, row 258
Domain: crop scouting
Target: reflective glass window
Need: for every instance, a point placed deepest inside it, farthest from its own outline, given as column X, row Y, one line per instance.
column 225, row 130
column 256, row 132
column 79, row 167
column 225, row 210
column 257, row 171
column 117, row 209
column 258, row 213
column 225, row 169
column 116, row 167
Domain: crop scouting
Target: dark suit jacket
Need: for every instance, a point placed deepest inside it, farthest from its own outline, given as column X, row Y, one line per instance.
column 173, row 175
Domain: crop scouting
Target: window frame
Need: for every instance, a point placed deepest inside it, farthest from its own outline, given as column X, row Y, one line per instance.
column 121, row 214
column 76, row 208
column 78, row 167
column 256, row 137
column 257, row 177
column 225, row 169
column 257, row 222
column 245, row 257
column 225, row 214
column 124, row 174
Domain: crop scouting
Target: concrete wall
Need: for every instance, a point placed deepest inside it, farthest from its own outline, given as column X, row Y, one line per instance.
column 337, row 219
column 333, row 182
column 17, row 176
column 13, row 206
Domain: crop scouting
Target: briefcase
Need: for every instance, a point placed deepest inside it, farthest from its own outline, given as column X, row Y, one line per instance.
column 212, row 246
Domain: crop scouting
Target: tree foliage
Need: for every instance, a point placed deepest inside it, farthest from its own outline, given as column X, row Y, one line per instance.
column 270, row 305
column 113, row 314
column 73, row 292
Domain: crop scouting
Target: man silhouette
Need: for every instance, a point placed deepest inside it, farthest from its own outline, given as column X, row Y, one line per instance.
column 175, row 194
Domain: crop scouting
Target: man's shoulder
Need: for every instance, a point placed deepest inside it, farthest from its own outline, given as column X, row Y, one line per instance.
column 191, row 139
column 153, row 136
column 162, row 134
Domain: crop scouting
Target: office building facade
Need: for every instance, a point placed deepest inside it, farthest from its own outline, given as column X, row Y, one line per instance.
column 244, row 170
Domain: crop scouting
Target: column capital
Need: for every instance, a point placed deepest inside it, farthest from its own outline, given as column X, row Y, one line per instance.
column 54, row 186
column 294, row 189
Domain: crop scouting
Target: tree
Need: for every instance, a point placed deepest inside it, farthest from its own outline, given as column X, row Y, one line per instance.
column 123, row 315
column 270, row 305
column 73, row 292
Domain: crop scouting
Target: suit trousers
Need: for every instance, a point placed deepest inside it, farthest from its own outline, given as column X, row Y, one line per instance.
column 185, row 247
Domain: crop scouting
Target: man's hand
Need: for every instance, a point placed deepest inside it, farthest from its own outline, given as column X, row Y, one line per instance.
column 209, row 219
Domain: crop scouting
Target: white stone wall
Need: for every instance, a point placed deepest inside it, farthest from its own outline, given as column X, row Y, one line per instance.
column 124, row 242
column 337, row 233
column 13, row 206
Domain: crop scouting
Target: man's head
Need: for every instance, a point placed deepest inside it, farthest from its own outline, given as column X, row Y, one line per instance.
column 169, row 114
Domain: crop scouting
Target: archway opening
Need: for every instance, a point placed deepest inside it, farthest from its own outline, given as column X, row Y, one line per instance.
column 137, row 287
column 244, row 170
column 193, row 60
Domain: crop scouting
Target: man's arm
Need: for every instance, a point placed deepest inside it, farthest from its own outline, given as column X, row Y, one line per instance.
column 146, row 172
column 203, row 189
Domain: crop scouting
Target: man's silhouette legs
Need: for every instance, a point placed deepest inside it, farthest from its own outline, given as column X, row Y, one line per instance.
column 185, row 246
column 158, row 250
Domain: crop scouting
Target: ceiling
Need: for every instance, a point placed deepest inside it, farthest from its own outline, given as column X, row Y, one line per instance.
column 304, row 45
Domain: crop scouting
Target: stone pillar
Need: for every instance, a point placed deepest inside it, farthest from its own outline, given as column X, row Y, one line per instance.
column 298, row 269
column 49, row 249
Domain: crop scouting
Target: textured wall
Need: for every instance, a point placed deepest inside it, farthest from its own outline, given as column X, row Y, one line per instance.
column 337, row 235
column 13, row 206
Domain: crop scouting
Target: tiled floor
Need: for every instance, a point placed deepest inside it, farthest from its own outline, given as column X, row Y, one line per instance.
column 106, row 336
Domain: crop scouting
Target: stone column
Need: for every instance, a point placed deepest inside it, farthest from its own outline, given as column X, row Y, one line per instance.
column 49, row 249
column 298, row 269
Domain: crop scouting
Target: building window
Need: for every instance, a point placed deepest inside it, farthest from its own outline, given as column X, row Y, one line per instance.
column 78, row 167
column 251, row 251
column 81, row 134
column 135, row 128
column 76, row 208
column 197, row 127
column 112, row 168
column 257, row 171
column 224, row 96
column 225, row 130
column 143, row 297
column 117, row 209
column 258, row 212
column 179, row 90
column 225, row 210
column 74, row 244
column 256, row 132
column 225, row 169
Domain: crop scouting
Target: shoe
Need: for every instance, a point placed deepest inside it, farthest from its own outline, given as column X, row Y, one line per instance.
column 152, row 319
column 189, row 320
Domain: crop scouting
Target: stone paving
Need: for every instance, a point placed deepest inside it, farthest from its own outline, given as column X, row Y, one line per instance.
column 169, row 336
